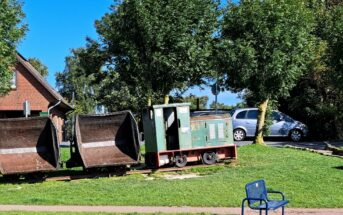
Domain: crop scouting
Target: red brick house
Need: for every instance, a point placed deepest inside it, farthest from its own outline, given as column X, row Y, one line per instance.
column 29, row 85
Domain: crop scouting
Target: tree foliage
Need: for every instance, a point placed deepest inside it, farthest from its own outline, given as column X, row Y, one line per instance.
column 317, row 99
column 334, row 38
column 265, row 49
column 221, row 106
column 153, row 47
column 11, row 31
column 74, row 80
column 193, row 99
column 39, row 66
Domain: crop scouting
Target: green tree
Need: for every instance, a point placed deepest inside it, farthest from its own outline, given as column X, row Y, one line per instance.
column 74, row 80
column 320, row 103
column 39, row 66
column 265, row 49
column 334, row 38
column 11, row 31
column 157, row 45
column 220, row 106
column 193, row 99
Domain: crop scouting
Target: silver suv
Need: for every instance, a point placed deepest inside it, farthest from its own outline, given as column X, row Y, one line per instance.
column 245, row 120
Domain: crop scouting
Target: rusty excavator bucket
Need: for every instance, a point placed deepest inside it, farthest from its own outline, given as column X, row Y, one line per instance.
column 28, row 145
column 105, row 140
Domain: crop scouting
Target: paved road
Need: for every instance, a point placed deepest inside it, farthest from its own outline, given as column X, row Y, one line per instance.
column 278, row 142
column 147, row 209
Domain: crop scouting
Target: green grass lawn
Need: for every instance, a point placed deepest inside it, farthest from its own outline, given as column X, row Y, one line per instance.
column 307, row 179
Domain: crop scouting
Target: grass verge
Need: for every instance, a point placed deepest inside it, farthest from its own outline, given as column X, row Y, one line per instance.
column 307, row 179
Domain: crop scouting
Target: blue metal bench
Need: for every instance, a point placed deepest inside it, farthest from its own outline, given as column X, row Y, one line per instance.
column 257, row 197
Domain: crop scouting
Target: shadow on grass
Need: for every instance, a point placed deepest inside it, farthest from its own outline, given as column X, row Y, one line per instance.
column 338, row 167
column 37, row 177
column 62, row 175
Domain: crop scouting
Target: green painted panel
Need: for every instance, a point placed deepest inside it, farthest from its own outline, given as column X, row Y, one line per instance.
column 43, row 114
column 160, row 129
column 149, row 131
column 229, row 138
column 199, row 132
column 185, row 136
column 209, row 132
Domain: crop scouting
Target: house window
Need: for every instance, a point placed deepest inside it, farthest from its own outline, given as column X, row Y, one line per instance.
column 14, row 80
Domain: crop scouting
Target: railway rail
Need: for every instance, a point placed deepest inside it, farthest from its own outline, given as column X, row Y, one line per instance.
column 72, row 177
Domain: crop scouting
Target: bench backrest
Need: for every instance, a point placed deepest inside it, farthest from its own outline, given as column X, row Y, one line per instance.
column 256, row 189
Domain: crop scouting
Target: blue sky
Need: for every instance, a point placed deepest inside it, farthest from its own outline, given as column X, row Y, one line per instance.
column 57, row 26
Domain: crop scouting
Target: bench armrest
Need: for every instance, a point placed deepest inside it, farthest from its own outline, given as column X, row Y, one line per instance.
column 278, row 192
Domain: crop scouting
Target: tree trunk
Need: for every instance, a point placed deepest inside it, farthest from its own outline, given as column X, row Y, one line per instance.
column 166, row 99
column 260, row 122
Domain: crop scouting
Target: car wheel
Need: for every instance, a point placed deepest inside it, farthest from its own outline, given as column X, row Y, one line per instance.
column 239, row 134
column 296, row 135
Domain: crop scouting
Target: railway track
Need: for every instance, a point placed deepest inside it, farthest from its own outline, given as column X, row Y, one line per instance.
column 130, row 172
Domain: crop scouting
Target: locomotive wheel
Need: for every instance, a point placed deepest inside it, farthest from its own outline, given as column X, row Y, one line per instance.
column 209, row 158
column 180, row 160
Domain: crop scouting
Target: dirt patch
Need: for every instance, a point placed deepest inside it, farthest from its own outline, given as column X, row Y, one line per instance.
column 180, row 177
column 171, row 176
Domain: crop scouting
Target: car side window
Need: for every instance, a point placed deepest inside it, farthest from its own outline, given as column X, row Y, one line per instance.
column 252, row 114
column 241, row 115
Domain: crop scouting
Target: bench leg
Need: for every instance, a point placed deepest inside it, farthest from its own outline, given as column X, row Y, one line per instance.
column 266, row 211
column 283, row 210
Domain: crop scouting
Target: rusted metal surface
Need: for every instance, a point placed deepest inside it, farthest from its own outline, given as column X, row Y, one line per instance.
column 107, row 139
column 28, row 145
column 209, row 117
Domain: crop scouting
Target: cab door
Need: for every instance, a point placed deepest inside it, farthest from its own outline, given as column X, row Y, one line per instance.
column 183, row 120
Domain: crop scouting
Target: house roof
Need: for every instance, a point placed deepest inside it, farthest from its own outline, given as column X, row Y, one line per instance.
column 64, row 104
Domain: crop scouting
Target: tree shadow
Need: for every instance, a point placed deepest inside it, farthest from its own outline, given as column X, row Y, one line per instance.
column 338, row 167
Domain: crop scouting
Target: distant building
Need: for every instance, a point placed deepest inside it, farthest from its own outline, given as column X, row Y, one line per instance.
column 28, row 85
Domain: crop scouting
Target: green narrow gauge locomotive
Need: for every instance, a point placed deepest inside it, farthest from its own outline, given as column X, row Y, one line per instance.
column 173, row 137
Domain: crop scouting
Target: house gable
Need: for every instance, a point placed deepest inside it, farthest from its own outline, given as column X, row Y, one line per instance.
column 32, row 87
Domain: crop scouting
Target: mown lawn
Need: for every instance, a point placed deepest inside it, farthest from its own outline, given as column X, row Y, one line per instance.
column 307, row 179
